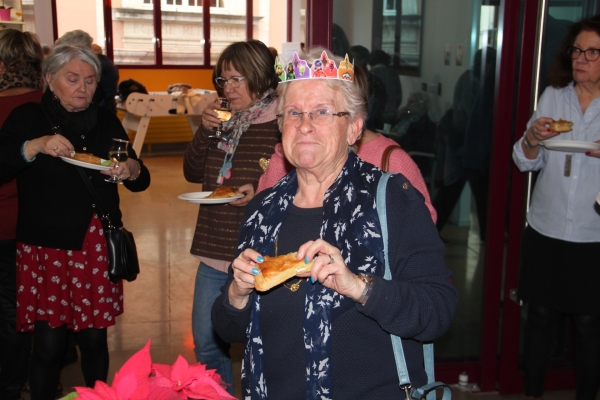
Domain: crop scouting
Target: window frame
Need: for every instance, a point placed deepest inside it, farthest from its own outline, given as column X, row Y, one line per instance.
column 157, row 13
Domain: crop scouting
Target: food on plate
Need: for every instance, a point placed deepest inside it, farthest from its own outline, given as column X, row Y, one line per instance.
column 561, row 126
column 276, row 270
column 87, row 158
column 222, row 192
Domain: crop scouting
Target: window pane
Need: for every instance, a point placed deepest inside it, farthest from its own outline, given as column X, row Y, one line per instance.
column 182, row 35
column 228, row 24
column 29, row 16
column 133, row 32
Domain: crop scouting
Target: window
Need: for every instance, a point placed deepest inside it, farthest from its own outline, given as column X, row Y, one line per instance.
column 178, row 38
column 397, row 30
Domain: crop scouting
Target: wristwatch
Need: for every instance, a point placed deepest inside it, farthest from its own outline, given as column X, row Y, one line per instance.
column 527, row 144
column 368, row 280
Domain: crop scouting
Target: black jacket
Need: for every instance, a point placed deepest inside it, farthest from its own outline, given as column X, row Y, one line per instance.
column 55, row 206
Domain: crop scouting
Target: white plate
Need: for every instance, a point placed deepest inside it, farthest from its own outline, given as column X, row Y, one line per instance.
column 86, row 165
column 570, row 146
column 199, row 198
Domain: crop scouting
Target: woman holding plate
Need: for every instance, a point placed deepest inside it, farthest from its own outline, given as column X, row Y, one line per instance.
column 245, row 76
column 62, row 268
column 559, row 267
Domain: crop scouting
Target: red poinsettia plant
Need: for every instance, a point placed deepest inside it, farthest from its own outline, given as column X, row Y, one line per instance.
column 140, row 379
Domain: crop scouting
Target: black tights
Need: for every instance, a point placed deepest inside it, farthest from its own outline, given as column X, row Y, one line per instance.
column 540, row 333
column 49, row 345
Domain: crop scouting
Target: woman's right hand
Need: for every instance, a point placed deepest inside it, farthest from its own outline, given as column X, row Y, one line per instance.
column 52, row 145
column 244, row 270
column 540, row 130
column 209, row 117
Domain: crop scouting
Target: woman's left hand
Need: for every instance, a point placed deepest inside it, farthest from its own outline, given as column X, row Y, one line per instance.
column 330, row 270
column 124, row 170
column 593, row 153
column 248, row 191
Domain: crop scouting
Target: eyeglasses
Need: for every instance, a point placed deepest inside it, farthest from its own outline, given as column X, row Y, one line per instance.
column 589, row 54
column 317, row 117
column 234, row 82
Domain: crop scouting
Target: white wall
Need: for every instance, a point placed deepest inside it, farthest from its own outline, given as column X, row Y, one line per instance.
column 444, row 22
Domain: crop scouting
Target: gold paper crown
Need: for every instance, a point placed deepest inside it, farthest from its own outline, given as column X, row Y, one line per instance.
column 322, row 68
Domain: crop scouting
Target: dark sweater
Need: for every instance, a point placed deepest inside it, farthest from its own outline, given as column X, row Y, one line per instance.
column 419, row 304
column 218, row 226
column 55, row 206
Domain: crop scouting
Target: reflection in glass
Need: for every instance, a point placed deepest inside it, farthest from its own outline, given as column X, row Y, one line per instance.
column 399, row 37
column 416, row 43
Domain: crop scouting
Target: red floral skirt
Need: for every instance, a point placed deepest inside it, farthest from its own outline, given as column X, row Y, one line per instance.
column 67, row 287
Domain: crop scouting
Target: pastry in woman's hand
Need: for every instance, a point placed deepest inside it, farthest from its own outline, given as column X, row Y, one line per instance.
column 276, row 270
column 561, row 126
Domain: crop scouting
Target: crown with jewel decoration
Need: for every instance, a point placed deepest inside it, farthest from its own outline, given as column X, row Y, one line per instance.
column 322, row 68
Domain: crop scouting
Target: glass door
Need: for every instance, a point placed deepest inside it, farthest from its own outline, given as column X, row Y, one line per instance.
column 450, row 59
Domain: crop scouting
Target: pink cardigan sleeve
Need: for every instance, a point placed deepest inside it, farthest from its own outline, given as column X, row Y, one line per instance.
column 277, row 169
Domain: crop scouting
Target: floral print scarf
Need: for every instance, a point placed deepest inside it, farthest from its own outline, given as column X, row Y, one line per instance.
column 350, row 223
column 238, row 124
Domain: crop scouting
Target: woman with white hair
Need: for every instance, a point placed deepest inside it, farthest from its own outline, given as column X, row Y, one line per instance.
column 327, row 333
column 62, row 267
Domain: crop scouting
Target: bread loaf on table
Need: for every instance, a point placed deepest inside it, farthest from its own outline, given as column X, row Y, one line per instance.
column 276, row 270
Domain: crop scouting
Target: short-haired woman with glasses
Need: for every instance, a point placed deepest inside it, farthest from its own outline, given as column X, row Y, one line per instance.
column 559, row 260
column 244, row 74
column 326, row 334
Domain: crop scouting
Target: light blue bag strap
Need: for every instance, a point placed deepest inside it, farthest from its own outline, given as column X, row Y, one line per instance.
column 397, row 341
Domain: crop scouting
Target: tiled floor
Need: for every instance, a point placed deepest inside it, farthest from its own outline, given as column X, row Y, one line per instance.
column 158, row 303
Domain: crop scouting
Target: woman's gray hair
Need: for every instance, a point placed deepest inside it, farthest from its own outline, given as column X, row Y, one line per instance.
column 75, row 38
column 352, row 97
column 62, row 55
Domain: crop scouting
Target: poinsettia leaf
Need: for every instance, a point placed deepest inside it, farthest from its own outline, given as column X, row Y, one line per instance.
column 101, row 391
column 161, row 370
column 211, row 373
column 70, row 396
column 131, row 381
column 179, row 370
column 162, row 393
column 208, row 389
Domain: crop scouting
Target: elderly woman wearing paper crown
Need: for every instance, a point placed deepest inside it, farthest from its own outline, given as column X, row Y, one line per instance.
column 326, row 334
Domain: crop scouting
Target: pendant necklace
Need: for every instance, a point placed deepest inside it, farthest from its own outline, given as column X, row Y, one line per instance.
column 293, row 286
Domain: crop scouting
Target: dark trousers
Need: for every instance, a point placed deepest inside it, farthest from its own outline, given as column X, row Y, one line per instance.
column 541, row 331
column 15, row 347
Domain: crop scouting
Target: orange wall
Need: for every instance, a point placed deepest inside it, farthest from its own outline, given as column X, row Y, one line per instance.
column 158, row 80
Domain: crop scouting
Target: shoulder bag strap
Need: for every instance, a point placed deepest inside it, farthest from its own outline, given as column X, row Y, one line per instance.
column 429, row 389
column 396, row 341
column 385, row 158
